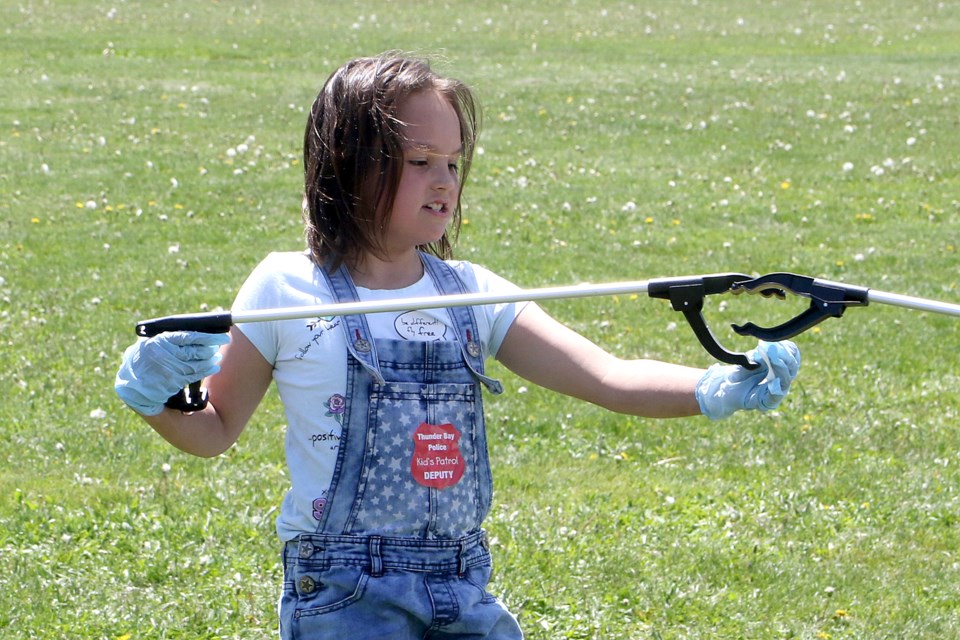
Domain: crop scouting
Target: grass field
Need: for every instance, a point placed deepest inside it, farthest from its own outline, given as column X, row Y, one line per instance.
column 150, row 157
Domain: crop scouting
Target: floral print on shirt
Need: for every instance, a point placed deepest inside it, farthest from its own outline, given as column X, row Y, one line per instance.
column 336, row 406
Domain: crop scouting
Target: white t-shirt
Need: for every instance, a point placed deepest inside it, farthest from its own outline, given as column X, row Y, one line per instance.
column 309, row 359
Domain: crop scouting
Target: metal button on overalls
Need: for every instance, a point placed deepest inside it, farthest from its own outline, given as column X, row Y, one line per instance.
column 307, row 585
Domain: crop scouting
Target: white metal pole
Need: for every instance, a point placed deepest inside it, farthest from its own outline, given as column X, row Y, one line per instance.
column 436, row 302
column 909, row 302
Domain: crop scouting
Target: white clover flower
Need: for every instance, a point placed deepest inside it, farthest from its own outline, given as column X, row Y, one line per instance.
column 98, row 414
column 847, row 167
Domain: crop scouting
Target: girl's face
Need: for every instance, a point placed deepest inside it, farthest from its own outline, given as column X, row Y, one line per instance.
column 429, row 183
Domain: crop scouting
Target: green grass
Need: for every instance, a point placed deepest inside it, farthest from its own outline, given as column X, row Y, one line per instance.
column 620, row 141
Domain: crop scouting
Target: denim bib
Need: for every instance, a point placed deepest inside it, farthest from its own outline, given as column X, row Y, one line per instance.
column 413, row 458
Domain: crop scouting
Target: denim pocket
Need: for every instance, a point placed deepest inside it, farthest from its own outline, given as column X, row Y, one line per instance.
column 322, row 591
column 479, row 577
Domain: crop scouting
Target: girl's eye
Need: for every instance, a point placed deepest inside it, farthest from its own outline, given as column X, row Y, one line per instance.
column 418, row 163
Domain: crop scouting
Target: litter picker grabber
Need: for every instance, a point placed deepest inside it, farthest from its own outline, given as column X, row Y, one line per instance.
column 828, row 299
column 686, row 295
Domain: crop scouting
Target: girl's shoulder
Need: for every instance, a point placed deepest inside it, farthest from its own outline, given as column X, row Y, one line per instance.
column 286, row 261
column 282, row 278
column 479, row 278
column 285, row 266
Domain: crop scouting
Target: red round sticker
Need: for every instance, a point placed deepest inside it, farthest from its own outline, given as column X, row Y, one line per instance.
column 437, row 462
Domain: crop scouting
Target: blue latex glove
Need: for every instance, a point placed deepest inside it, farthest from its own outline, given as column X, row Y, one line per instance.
column 153, row 369
column 724, row 389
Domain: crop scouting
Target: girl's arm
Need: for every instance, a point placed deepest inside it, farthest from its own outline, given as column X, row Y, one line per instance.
column 552, row 355
column 234, row 392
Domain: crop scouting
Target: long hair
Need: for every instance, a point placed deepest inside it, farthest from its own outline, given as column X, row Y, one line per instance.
column 353, row 150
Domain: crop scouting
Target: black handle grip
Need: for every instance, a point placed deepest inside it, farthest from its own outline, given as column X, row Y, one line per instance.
column 202, row 322
column 194, row 397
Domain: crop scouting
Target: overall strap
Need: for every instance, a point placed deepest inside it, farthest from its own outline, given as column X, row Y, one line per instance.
column 360, row 342
column 463, row 319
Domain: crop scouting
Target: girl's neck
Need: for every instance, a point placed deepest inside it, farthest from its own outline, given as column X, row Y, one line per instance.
column 371, row 272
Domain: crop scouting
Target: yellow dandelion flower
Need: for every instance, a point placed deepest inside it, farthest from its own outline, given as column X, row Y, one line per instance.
column 648, row 220
column 35, row 220
column 785, row 185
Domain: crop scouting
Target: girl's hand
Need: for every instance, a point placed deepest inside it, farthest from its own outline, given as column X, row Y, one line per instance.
column 153, row 369
column 725, row 389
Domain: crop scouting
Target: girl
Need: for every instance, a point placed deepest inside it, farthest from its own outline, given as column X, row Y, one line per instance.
column 386, row 447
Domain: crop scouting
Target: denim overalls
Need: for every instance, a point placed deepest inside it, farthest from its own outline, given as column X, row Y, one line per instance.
column 399, row 551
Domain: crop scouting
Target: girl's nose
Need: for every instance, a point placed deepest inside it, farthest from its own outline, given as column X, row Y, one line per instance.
column 445, row 178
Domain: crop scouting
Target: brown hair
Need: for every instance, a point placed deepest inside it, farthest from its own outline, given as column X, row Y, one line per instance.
column 352, row 151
